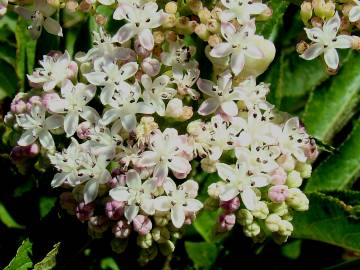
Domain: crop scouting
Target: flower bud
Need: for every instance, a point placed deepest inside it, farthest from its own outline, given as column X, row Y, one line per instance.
column 244, row 217
column 140, row 50
column 119, row 245
column 214, row 40
column 297, row 200
column 213, row 26
column 68, row 202
column 84, row 211
column 147, row 254
column 252, row 229
column 144, row 241
column 204, row 15
column 48, row 97
column 159, row 37
column 306, row 12
column 230, row 206
column 3, row 7
column 279, row 208
column 278, row 176
column 287, row 162
column 208, row 165
column 319, row 8
column 18, row 106
column 305, row 169
column 214, row 189
column 202, row 31
column 171, row 7
column 98, row 224
column 265, row 15
column 285, row 228
column 142, row 224
column 294, row 179
column 114, row 210
column 161, row 219
column 160, row 234
column 195, row 5
column 272, row 222
column 167, row 248
column 121, row 229
column 279, row 239
column 329, row 10
column 278, row 193
column 226, row 222
column 83, row 131
column 261, row 210
column 174, row 108
column 169, row 21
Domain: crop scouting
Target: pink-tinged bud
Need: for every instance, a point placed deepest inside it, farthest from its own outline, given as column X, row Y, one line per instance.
column 278, row 176
column 83, row 131
column 121, row 229
column 151, row 66
column 73, row 69
column 180, row 175
column 84, row 211
column 18, row 106
column 98, row 224
column 114, row 209
column 47, row 97
column 85, row 5
column 18, row 153
column 226, row 222
column 140, row 50
column 32, row 150
column 311, row 151
column 278, row 193
column 3, row 8
column 34, row 100
column 68, row 202
column 142, row 224
column 189, row 218
column 230, row 206
column 174, row 108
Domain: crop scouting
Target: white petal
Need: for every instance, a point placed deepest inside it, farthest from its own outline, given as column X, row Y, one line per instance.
column 260, row 181
column 206, row 87
column 71, row 123
column 354, row 14
column 146, row 39
column 180, row 165
column 331, row 58
column 226, row 172
column 254, row 52
column 148, row 159
column 230, row 108
column 54, row 121
column 314, row 34
column 227, row 15
column 237, row 62
column 110, row 115
column 332, row 25
column 169, row 185
column 343, row 42
column 228, row 30
column 221, row 50
column 119, row 194
column 90, row 114
column 147, row 205
column 162, row 203
column 58, row 179
column 131, row 212
column 96, row 78
column 313, row 51
column 53, row 27
column 46, row 140
column 249, row 198
column 125, row 33
column 133, row 179
column 178, row 216
column 90, row 191
column 160, row 172
column 129, row 122
column 128, row 70
column 228, row 192
column 193, row 205
column 58, row 105
column 208, row 106
column 27, row 138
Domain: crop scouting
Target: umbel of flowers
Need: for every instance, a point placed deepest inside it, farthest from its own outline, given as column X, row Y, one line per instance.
column 136, row 116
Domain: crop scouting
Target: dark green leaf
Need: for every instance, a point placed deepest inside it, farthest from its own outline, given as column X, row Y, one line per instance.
column 292, row 250
column 49, row 262
column 8, row 85
column 46, row 204
column 6, row 218
column 22, row 260
column 202, row 254
column 109, row 264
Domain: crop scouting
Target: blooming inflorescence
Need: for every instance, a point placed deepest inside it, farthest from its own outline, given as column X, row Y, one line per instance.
column 137, row 113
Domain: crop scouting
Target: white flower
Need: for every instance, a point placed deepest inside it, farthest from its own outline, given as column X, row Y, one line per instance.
column 254, row 95
column 53, row 72
column 240, row 181
column 165, row 150
column 326, row 41
column 40, row 17
column 179, row 201
column 185, row 79
column 112, row 78
column 241, row 10
column 221, row 96
column 95, row 173
column 238, row 45
column 156, row 91
column 73, row 104
column 137, row 195
column 140, row 19
column 36, row 126
column 292, row 138
column 354, row 13
column 68, row 164
column 125, row 106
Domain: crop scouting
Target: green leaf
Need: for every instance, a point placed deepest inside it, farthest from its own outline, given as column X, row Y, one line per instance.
column 292, row 250
column 328, row 220
column 109, row 264
column 340, row 170
column 202, row 254
column 71, row 38
column 331, row 106
column 49, row 262
column 8, row 79
column 22, row 260
column 6, row 218
column 270, row 28
column 46, row 204
column 8, row 54
column 205, row 225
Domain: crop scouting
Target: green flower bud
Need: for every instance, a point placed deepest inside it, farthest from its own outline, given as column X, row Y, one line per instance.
column 119, row 245
column 202, row 31
column 244, row 217
column 279, row 239
column 306, row 12
column 319, row 8
column 252, row 230
column 147, row 255
column 161, row 219
column 279, row 208
column 297, row 200
column 294, row 179
column 167, row 248
column 261, row 210
column 285, row 228
column 160, row 234
column 304, row 169
column 144, row 241
column 272, row 222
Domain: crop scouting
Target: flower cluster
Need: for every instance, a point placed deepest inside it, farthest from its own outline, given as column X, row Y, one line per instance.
column 136, row 113
column 329, row 27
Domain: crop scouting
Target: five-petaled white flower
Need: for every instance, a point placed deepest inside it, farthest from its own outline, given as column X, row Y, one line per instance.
column 165, row 152
column 326, row 41
column 185, row 79
column 140, row 19
column 221, row 96
column 239, row 43
column 241, row 10
column 55, row 69
column 36, row 126
column 136, row 194
column 40, row 17
column 239, row 180
column 73, row 104
column 156, row 91
column 179, row 201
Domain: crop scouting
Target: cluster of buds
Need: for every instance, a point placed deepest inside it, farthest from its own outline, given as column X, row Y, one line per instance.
column 329, row 26
column 135, row 113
